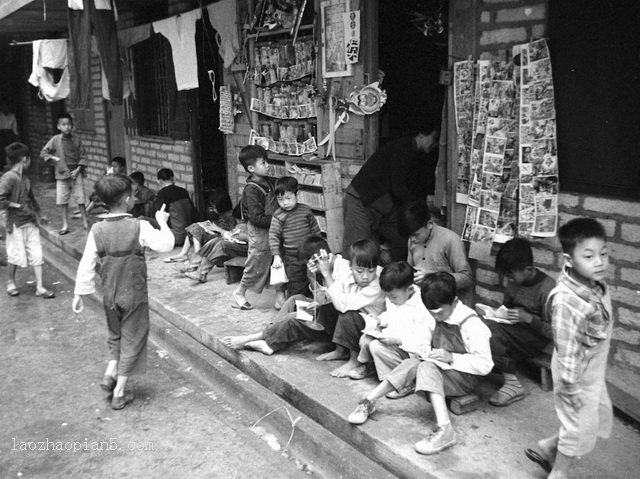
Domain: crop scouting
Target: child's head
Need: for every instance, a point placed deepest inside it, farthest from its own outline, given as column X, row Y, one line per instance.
column 515, row 261
column 254, row 160
column 584, row 243
column 65, row 123
column 220, row 201
column 416, row 222
column 119, row 165
column 313, row 245
column 115, row 191
column 365, row 256
column 137, row 177
column 17, row 152
column 165, row 177
column 396, row 280
column 286, row 191
column 439, row 294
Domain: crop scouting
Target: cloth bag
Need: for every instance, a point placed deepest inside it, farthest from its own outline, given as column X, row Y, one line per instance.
column 278, row 276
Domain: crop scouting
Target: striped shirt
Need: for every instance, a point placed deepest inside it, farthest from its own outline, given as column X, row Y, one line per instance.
column 290, row 229
column 580, row 317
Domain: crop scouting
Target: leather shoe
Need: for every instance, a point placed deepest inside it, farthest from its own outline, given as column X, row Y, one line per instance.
column 108, row 383
column 119, row 402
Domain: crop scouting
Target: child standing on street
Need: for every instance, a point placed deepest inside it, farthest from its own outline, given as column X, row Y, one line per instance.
column 257, row 205
column 460, row 355
column 403, row 329
column 67, row 151
column 582, row 322
column 119, row 242
column 23, row 214
column 291, row 224
column 433, row 248
column 530, row 332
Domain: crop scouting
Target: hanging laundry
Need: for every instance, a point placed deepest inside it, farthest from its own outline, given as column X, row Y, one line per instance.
column 181, row 33
column 224, row 19
column 126, row 76
column 50, row 54
column 83, row 15
column 131, row 36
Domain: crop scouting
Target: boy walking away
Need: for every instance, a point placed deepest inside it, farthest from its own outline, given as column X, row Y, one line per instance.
column 178, row 205
column 291, row 224
column 460, row 355
column 70, row 158
column 433, row 248
column 144, row 196
column 582, row 323
column 119, row 242
column 403, row 329
column 257, row 205
column 529, row 329
column 23, row 214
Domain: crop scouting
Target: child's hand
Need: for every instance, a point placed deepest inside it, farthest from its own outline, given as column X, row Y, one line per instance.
column 77, row 304
column 389, row 340
column 441, row 355
column 161, row 215
column 419, row 275
column 324, row 264
column 513, row 314
column 277, row 262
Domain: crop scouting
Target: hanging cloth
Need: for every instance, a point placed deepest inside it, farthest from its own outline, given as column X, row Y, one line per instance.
column 50, row 54
column 126, row 77
column 131, row 36
column 224, row 19
column 181, row 33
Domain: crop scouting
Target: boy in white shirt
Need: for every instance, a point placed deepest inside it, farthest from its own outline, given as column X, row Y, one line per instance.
column 403, row 329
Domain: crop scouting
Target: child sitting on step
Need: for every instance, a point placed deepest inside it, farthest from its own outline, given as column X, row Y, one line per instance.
column 460, row 354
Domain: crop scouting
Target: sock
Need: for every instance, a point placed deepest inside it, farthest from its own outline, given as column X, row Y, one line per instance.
column 512, row 379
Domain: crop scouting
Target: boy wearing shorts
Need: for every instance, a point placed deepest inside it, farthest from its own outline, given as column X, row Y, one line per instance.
column 70, row 158
column 23, row 212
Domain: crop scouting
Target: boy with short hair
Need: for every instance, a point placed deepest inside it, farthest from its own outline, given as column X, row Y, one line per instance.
column 434, row 248
column 525, row 296
column 257, row 205
column 403, row 329
column 67, row 151
column 582, row 323
column 460, row 355
column 23, row 214
column 351, row 286
column 178, row 204
column 291, row 224
column 119, row 242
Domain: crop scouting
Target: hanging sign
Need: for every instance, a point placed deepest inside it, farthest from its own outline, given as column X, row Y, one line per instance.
column 226, row 110
column 367, row 99
column 352, row 36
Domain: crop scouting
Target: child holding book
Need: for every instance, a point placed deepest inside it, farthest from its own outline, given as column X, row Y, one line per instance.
column 582, row 324
column 118, row 243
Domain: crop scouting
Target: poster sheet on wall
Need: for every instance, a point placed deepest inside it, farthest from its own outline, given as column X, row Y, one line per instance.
column 334, row 38
column 507, row 153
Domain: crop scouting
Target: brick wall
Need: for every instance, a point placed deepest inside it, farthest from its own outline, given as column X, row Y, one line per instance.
column 504, row 23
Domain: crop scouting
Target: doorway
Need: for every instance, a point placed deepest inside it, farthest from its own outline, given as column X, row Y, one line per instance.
column 210, row 143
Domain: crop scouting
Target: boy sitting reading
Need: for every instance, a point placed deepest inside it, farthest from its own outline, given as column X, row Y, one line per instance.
column 582, row 323
column 529, row 329
column 291, row 224
column 403, row 329
column 352, row 287
column 433, row 248
column 460, row 355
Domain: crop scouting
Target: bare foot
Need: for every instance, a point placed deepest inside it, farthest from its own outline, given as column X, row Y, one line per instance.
column 334, row 355
column 261, row 346
column 344, row 370
column 236, row 342
column 280, row 299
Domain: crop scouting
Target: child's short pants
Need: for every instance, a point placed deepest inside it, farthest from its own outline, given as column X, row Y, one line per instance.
column 23, row 246
column 68, row 188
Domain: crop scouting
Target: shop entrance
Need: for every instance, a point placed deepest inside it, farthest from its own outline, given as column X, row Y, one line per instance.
column 411, row 62
column 210, row 142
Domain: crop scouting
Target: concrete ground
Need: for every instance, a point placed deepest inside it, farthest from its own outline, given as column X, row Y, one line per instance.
column 491, row 440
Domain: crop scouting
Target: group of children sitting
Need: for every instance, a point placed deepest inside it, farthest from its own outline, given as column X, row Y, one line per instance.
column 409, row 322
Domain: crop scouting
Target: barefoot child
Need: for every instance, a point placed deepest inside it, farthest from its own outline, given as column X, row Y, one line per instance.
column 69, row 155
column 404, row 328
column 460, row 355
column 582, row 322
column 291, row 224
column 525, row 296
column 119, row 243
column 23, row 214
column 350, row 286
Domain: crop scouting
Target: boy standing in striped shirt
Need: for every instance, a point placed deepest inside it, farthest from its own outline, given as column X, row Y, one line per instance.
column 291, row 225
